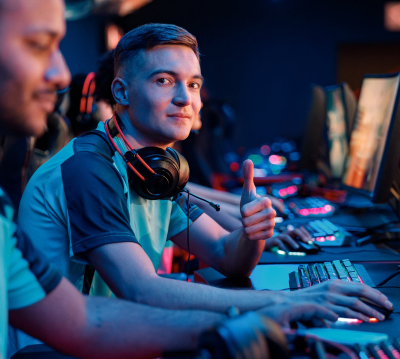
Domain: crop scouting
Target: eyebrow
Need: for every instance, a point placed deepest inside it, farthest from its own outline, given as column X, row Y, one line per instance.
column 173, row 73
column 44, row 31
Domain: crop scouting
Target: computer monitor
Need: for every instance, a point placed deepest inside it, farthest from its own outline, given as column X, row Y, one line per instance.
column 314, row 129
column 374, row 149
column 337, row 128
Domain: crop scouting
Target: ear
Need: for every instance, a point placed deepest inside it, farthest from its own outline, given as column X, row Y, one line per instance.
column 119, row 89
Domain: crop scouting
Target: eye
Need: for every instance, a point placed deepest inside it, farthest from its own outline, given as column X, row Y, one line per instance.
column 39, row 46
column 195, row 85
column 163, row 81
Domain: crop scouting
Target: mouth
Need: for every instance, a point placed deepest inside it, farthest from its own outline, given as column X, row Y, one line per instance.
column 46, row 100
column 179, row 116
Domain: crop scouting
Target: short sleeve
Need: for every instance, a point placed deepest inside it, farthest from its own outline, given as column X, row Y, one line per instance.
column 96, row 202
column 179, row 215
column 30, row 276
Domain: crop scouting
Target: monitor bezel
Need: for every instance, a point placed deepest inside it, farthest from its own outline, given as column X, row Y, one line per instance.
column 392, row 147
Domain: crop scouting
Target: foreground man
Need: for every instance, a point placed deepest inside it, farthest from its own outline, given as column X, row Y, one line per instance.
column 39, row 300
column 80, row 209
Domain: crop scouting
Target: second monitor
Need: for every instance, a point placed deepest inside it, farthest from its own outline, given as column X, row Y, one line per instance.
column 374, row 149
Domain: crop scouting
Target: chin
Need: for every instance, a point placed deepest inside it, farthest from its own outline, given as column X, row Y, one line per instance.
column 36, row 126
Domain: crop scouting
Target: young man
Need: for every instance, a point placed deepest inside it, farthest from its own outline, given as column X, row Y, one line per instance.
column 38, row 300
column 80, row 209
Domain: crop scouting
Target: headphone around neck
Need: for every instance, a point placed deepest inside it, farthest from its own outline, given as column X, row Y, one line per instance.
column 153, row 173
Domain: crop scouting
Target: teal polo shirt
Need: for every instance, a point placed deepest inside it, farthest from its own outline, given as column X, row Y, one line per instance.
column 80, row 199
column 25, row 278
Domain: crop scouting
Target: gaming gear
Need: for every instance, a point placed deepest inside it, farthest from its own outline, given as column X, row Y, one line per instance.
column 155, row 173
column 86, row 104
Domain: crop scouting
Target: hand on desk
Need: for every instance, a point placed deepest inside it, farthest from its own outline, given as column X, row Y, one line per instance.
column 286, row 237
column 286, row 313
column 342, row 298
column 257, row 212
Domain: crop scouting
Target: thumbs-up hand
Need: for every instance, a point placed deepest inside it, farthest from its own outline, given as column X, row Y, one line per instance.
column 257, row 213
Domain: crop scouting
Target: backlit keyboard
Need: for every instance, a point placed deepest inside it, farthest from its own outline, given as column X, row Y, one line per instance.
column 310, row 207
column 308, row 275
column 322, row 231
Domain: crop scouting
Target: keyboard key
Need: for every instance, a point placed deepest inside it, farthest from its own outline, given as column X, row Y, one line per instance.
column 317, row 229
column 303, row 274
column 323, row 276
column 294, row 281
column 340, row 269
column 313, row 274
column 330, row 270
column 330, row 225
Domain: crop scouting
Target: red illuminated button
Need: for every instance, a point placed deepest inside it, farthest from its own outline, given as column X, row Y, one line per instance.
column 304, row 212
column 320, row 239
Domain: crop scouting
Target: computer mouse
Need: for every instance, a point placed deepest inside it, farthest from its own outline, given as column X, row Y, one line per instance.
column 386, row 312
column 308, row 248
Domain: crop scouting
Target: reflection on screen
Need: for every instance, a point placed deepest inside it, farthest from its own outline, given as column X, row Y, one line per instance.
column 368, row 138
column 337, row 134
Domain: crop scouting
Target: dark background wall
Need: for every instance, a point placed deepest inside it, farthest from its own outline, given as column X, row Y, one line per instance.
column 262, row 55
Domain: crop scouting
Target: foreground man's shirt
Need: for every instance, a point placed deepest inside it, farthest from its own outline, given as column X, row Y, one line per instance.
column 25, row 278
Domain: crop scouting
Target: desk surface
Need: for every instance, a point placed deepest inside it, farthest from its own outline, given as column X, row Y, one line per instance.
column 368, row 253
column 377, row 272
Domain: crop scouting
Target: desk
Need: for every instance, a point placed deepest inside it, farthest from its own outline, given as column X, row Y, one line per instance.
column 368, row 253
column 377, row 272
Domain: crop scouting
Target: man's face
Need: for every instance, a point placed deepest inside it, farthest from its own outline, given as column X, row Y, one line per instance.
column 164, row 94
column 32, row 68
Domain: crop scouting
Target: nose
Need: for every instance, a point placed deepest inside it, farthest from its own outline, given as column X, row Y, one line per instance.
column 182, row 96
column 57, row 72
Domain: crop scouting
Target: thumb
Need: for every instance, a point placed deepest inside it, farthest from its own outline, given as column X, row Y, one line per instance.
column 249, row 189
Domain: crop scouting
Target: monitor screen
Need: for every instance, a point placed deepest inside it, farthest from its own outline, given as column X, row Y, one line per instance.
column 371, row 133
column 336, row 130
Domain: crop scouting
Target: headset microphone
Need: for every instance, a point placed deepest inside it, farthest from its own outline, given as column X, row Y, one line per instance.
column 216, row 206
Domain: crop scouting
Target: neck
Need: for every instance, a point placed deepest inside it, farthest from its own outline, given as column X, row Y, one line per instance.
column 135, row 138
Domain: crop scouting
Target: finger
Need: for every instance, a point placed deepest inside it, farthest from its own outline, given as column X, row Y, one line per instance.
column 276, row 242
column 257, row 205
column 347, row 312
column 261, row 235
column 265, row 214
column 357, row 305
column 306, row 233
column 265, row 225
column 277, row 203
column 298, row 233
column 249, row 189
column 321, row 312
column 361, row 290
column 289, row 240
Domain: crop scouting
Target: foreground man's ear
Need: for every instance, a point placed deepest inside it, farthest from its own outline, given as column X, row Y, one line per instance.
column 119, row 89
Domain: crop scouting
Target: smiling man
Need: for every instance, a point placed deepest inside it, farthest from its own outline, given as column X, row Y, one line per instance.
column 81, row 207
